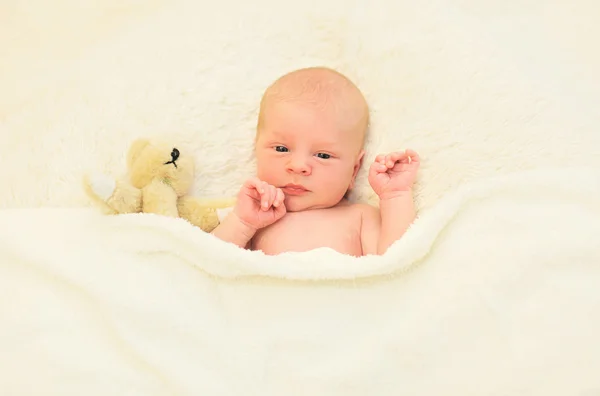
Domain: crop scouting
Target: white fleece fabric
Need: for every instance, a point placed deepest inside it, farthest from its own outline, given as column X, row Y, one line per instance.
column 494, row 290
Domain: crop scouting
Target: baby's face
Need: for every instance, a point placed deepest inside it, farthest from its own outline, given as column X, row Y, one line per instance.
column 305, row 152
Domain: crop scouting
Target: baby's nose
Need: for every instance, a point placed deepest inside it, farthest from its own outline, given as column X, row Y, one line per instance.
column 299, row 166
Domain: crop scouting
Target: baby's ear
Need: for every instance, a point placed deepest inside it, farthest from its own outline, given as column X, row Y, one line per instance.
column 135, row 149
column 361, row 155
column 357, row 165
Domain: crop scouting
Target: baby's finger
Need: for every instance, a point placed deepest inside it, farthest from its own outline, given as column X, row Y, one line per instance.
column 251, row 183
column 264, row 186
column 392, row 158
column 279, row 197
column 279, row 209
column 279, row 204
column 414, row 157
column 250, row 188
column 272, row 193
column 377, row 168
column 380, row 159
column 264, row 196
column 267, row 196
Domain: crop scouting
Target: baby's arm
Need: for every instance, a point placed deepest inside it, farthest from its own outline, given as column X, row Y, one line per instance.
column 370, row 229
column 380, row 228
column 397, row 214
column 233, row 230
column 392, row 177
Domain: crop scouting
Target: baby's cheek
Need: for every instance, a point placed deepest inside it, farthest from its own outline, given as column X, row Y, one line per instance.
column 266, row 173
column 337, row 186
column 261, row 165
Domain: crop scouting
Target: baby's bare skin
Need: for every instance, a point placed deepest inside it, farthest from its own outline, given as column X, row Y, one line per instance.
column 338, row 228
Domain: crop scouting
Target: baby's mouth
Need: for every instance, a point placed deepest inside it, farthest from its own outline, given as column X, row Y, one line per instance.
column 294, row 189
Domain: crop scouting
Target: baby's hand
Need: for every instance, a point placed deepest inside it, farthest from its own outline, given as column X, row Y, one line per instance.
column 394, row 174
column 259, row 204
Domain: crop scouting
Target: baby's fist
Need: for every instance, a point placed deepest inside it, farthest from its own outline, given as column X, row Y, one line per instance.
column 259, row 204
column 394, row 174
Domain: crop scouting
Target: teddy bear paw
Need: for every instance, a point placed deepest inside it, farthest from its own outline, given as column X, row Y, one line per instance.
column 103, row 186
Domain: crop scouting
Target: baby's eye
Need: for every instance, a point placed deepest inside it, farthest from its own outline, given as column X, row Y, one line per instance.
column 323, row 155
column 281, row 149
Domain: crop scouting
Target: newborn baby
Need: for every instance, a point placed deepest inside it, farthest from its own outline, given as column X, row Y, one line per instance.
column 308, row 148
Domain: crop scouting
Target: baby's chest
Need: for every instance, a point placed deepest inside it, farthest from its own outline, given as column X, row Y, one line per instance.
column 302, row 232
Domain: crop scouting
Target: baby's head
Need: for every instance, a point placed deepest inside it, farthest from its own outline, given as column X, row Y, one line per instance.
column 310, row 133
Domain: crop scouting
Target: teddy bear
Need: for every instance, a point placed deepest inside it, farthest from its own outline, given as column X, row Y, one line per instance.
column 158, row 180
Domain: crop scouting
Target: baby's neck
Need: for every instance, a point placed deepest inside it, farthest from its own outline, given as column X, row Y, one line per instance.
column 343, row 202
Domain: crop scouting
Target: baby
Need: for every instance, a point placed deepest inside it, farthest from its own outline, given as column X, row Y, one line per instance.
column 309, row 147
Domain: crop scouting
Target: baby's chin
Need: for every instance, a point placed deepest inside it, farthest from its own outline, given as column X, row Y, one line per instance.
column 302, row 203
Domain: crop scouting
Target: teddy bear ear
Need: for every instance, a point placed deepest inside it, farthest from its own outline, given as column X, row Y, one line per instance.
column 135, row 149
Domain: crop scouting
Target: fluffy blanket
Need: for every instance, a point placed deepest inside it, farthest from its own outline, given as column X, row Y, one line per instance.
column 495, row 291
column 492, row 291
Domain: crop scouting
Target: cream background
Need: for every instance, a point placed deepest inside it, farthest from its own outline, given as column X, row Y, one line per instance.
column 479, row 88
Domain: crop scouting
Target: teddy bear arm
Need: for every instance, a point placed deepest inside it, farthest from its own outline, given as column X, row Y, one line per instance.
column 159, row 198
column 113, row 196
column 202, row 212
column 126, row 198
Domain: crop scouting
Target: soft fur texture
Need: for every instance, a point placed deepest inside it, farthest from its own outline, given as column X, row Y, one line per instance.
column 493, row 292
column 502, row 292
column 158, row 179
column 476, row 87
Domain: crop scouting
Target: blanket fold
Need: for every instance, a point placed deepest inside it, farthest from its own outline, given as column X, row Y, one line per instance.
column 548, row 190
column 492, row 291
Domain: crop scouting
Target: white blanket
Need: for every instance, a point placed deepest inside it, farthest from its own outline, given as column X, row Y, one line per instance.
column 493, row 291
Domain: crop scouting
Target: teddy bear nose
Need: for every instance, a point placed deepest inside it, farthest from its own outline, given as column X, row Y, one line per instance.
column 174, row 154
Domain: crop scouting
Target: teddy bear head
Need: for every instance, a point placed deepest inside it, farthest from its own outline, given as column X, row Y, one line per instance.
column 149, row 160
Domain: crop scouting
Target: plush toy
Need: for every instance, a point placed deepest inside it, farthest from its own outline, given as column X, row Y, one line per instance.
column 158, row 181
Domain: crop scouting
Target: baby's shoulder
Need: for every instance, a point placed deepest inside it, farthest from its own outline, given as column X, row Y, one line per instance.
column 369, row 225
column 359, row 212
column 365, row 210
